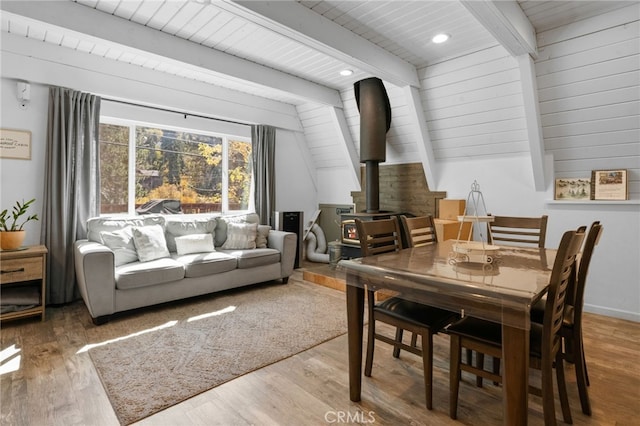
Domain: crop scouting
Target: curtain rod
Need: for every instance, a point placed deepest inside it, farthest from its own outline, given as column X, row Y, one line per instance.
column 174, row 111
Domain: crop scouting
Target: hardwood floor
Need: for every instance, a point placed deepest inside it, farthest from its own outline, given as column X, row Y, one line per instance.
column 56, row 385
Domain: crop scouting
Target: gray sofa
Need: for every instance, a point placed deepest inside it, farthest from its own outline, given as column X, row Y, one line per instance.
column 131, row 262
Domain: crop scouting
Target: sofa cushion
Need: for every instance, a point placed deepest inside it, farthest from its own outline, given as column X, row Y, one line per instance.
column 194, row 243
column 257, row 257
column 263, row 235
column 143, row 274
column 177, row 226
column 96, row 225
column 241, row 236
column 223, row 221
column 150, row 242
column 201, row 264
column 121, row 243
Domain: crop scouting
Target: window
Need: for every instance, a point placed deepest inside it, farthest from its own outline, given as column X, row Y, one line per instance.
column 152, row 169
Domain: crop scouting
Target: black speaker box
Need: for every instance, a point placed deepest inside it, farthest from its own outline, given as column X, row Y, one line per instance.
column 291, row 222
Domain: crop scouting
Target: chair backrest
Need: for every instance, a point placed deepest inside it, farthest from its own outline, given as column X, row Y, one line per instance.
column 420, row 231
column 576, row 297
column 561, row 275
column 379, row 236
column 521, row 231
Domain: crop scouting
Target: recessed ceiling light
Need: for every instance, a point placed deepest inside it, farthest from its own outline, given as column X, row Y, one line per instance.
column 440, row 38
column 346, row 73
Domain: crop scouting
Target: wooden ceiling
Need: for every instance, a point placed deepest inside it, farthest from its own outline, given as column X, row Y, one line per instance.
column 286, row 51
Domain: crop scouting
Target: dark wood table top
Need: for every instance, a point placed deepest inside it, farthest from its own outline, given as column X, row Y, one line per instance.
column 502, row 291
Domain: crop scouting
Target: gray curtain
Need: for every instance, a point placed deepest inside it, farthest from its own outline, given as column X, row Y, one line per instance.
column 263, row 139
column 72, row 184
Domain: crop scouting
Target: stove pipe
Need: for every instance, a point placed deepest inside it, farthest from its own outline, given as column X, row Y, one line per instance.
column 375, row 120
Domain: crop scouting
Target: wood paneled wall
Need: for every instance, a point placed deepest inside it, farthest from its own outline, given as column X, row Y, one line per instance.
column 403, row 189
column 588, row 76
column 474, row 106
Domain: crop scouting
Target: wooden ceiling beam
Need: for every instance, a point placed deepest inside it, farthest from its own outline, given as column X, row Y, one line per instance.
column 506, row 21
column 91, row 24
column 315, row 31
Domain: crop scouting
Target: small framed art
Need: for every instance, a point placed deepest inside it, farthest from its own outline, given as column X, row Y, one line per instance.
column 15, row 144
column 572, row 189
column 609, row 185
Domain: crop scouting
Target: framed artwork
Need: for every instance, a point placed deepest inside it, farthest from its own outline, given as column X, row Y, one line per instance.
column 15, row 144
column 572, row 189
column 609, row 185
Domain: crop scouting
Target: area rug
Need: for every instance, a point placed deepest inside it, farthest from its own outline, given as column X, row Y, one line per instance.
column 154, row 359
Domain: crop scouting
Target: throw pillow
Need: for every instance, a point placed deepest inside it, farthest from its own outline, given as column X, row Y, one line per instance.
column 194, row 243
column 241, row 236
column 176, row 227
column 150, row 242
column 121, row 243
column 261, row 238
column 222, row 221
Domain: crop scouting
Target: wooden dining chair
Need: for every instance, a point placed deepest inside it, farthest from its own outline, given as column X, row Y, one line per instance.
column 420, row 231
column 383, row 236
column 520, row 231
column 545, row 340
column 571, row 331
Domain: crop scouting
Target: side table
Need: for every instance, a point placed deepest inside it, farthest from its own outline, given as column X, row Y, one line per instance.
column 23, row 280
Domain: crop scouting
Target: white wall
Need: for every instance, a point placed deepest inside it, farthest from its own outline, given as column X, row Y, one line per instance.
column 613, row 288
column 24, row 179
column 588, row 77
column 294, row 186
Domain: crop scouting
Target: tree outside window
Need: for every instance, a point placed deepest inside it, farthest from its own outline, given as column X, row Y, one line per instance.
column 205, row 172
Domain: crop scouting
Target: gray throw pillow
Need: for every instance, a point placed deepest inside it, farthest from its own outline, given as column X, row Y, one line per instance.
column 241, row 236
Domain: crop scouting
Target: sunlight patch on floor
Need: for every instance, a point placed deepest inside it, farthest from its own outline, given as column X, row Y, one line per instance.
column 85, row 348
column 226, row 310
column 10, row 360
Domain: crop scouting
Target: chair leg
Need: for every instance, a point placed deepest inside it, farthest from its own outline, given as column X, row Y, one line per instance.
column 370, row 346
column 548, row 406
column 414, row 340
column 496, row 368
column 396, row 348
column 480, row 365
column 562, row 390
column 582, row 378
column 427, row 363
column 455, row 356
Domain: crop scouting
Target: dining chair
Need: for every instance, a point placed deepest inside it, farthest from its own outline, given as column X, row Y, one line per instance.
column 545, row 340
column 383, row 236
column 571, row 331
column 521, row 231
column 420, row 231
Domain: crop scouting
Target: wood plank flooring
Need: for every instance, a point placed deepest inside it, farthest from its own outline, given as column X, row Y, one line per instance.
column 57, row 385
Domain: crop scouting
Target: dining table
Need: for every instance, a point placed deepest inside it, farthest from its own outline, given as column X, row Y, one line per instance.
column 499, row 287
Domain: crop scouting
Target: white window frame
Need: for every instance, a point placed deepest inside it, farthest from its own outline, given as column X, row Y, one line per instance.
column 131, row 166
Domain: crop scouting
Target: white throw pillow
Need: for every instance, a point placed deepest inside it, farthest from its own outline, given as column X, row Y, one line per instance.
column 241, row 236
column 150, row 242
column 194, row 243
column 262, row 237
column 121, row 242
column 177, row 227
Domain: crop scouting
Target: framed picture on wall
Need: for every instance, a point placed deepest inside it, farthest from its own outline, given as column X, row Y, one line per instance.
column 609, row 185
column 572, row 189
column 15, row 144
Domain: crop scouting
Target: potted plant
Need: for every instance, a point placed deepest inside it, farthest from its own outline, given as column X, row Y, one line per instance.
column 11, row 228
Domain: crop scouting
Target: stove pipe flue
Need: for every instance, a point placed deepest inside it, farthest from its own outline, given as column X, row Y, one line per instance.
column 375, row 120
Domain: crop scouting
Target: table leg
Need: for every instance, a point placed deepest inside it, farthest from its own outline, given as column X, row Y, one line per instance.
column 355, row 312
column 515, row 392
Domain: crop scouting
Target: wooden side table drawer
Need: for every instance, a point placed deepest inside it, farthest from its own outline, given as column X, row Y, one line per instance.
column 15, row 270
column 23, row 278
